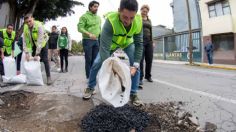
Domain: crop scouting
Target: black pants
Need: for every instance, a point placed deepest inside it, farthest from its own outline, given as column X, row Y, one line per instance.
column 18, row 60
column 148, row 56
column 1, row 63
column 64, row 54
column 44, row 58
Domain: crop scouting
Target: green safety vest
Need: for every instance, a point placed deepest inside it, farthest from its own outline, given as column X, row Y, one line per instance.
column 27, row 36
column 7, row 47
column 62, row 41
column 121, row 38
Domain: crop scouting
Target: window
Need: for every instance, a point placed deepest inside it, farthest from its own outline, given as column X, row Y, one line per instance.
column 226, row 8
column 212, row 10
column 219, row 8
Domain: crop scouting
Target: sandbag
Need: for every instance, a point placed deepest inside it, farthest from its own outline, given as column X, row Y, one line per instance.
column 9, row 64
column 114, row 81
column 18, row 79
column 33, row 73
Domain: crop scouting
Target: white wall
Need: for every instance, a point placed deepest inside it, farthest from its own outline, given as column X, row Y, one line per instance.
column 4, row 13
column 219, row 24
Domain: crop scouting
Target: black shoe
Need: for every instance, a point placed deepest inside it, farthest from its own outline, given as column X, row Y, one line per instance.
column 66, row 70
column 61, row 71
column 140, row 87
column 149, row 79
column 49, row 81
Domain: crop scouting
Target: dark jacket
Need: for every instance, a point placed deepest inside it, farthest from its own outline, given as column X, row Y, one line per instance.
column 52, row 42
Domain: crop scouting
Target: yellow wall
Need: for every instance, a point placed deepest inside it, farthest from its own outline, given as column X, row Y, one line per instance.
column 219, row 24
column 233, row 12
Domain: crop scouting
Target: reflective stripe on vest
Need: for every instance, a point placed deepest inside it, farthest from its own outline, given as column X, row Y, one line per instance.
column 7, row 47
column 27, row 36
column 122, row 39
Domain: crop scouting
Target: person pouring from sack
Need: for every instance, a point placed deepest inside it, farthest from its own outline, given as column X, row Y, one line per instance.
column 122, row 29
column 35, row 43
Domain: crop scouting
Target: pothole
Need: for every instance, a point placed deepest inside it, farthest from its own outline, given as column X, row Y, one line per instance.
column 14, row 104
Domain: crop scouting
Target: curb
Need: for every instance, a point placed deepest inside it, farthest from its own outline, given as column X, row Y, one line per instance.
column 218, row 66
column 213, row 66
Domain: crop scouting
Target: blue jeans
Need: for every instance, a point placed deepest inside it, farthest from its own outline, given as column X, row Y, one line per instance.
column 98, row 63
column 210, row 58
column 91, row 50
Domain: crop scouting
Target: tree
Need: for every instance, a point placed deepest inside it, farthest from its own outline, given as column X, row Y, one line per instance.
column 42, row 10
column 190, row 50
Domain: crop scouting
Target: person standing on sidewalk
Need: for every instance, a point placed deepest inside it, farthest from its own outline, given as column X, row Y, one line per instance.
column 35, row 43
column 64, row 45
column 52, row 47
column 147, row 46
column 90, row 27
column 122, row 29
column 209, row 51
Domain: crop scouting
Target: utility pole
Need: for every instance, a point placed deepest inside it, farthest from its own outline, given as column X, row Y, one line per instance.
column 190, row 50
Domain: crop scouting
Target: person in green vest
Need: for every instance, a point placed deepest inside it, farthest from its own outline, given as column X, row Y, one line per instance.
column 1, row 57
column 90, row 27
column 64, row 46
column 8, row 35
column 122, row 29
column 35, row 43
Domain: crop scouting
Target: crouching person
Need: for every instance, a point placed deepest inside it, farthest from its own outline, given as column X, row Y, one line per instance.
column 34, row 43
column 122, row 29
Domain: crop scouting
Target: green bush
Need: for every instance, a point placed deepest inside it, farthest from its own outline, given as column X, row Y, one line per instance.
column 77, row 48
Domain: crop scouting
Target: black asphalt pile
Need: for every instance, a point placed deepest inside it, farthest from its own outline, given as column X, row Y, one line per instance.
column 169, row 117
column 105, row 118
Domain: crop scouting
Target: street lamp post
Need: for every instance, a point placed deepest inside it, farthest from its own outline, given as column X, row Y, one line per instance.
column 190, row 50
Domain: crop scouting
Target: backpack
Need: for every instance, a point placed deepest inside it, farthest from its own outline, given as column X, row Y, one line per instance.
column 62, row 41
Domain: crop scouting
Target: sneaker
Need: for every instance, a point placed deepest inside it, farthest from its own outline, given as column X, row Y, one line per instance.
column 135, row 100
column 88, row 93
column 49, row 81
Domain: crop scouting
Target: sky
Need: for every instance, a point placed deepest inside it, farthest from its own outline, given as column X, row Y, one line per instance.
column 160, row 13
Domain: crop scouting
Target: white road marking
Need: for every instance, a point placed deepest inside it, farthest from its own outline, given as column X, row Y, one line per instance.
column 213, row 96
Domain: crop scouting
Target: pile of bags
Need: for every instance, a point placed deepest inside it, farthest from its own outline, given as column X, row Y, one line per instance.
column 30, row 72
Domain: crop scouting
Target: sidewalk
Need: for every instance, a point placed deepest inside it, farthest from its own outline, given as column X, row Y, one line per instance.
column 206, row 65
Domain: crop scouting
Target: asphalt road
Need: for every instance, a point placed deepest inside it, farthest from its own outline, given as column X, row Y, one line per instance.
column 208, row 94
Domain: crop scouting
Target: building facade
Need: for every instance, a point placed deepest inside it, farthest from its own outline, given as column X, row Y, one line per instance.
column 219, row 26
column 176, row 45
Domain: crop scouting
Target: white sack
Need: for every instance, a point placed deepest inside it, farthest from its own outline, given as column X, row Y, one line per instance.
column 9, row 67
column 33, row 73
column 15, row 80
column 112, row 76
